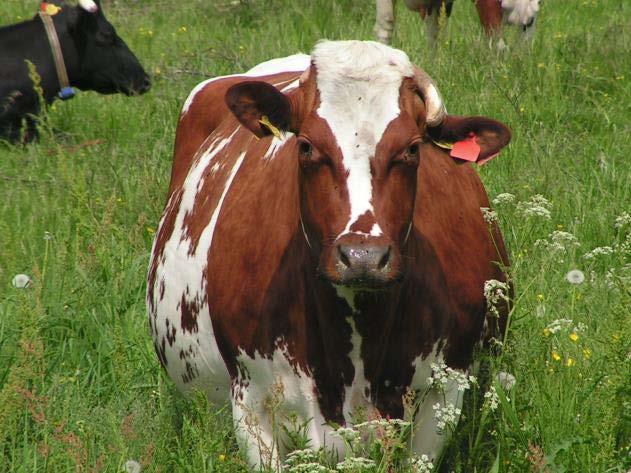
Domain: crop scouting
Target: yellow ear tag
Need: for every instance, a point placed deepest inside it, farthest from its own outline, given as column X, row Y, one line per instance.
column 443, row 144
column 267, row 124
column 51, row 9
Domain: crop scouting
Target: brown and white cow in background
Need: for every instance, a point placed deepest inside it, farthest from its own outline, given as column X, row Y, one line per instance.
column 317, row 244
column 492, row 14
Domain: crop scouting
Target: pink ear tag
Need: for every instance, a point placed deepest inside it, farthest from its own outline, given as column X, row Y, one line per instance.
column 467, row 149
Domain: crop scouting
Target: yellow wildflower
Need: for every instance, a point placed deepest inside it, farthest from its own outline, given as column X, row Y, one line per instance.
column 222, row 457
column 587, row 353
column 555, row 356
column 573, row 336
column 570, row 362
column 546, row 332
column 540, row 297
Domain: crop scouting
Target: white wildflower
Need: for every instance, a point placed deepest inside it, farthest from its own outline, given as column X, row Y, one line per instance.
column 488, row 215
column 625, row 246
column 347, row 434
column 575, row 276
column 599, row 251
column 48, row 236
column 132, row 466
column 580, row 327
column 537, row 206
column 304, row 461
column 494, row 292
column 622, row 220
column 446, row 416
column 421, row 464
column 491, row 399
column 559, row 324
column 354, row 463
column 442, row 374
column 559, row 242
column 21, row 281
column 504, row 198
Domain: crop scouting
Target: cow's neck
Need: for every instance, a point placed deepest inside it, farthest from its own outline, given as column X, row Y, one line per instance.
column 366, row 338
column 48, row 72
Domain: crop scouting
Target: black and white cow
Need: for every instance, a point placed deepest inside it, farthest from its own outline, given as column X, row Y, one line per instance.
column 95, row 58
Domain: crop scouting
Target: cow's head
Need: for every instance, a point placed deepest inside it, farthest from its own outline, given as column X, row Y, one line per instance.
column 105, row 63
column 360, row 115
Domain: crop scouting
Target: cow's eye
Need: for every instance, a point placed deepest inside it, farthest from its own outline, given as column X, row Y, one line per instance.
column 411, row 153
column 305, row 149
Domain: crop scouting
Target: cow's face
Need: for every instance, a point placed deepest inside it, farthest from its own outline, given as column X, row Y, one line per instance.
column 107, row 65
column 359, row 125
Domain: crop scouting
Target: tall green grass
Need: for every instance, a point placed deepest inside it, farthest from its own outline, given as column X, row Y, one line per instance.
column 80, row 386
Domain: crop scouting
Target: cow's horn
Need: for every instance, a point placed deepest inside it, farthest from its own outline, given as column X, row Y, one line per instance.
column 88, row 5
column 435, row 108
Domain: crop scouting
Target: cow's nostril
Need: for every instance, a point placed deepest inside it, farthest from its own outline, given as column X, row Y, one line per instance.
column 343, row 252
column 384, row 259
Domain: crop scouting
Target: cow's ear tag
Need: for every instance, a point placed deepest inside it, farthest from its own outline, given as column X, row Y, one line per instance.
column 267, row 124
column 467, row 149
column 49, row 8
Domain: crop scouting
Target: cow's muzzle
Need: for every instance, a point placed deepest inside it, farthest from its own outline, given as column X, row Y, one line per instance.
column 364, row 263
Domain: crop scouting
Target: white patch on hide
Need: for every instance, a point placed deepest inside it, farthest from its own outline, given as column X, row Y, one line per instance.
column 273, row 378
column 520, row 12
column 296, row 62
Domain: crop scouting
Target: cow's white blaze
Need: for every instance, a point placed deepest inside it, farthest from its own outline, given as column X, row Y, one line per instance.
column 359, row 85
column 88, row 5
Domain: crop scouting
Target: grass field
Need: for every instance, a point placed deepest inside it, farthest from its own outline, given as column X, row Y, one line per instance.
column 80, row 386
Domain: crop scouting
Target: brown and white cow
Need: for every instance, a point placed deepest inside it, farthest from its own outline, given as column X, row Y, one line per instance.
column 319, row 248
column 492, row 14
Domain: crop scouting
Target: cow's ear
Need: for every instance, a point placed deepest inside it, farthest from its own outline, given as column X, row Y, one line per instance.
column 260, row 107
column 467, row 132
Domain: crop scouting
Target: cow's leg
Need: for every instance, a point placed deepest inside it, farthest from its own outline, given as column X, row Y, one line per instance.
column 384, row 23
column 428, row 436
column 435, row 24
column 490, row 13
column 254, row 429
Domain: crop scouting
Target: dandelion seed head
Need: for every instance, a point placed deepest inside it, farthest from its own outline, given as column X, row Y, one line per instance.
column 132, row 466
column 506, row 380
column 21, row 281
column 575, row 276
